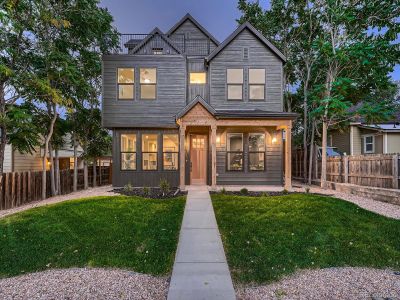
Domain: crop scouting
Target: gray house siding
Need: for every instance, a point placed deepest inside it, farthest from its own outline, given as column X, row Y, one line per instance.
column 193, row 38
column 171, row 92
column 139, row 177
column 197, row 65
column 259, row 57
column 273, row 160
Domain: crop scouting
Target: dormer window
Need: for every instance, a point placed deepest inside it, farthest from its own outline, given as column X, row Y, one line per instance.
column 157, row 51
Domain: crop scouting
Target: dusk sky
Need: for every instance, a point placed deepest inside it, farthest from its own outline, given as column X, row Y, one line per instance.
column 217, row 16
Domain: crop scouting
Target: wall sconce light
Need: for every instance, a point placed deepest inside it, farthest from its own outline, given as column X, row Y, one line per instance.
column 218, row 139
column 274, row 138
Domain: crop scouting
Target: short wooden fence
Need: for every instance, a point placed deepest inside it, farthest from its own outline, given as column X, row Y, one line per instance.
column 18, row 188
column 373, row 170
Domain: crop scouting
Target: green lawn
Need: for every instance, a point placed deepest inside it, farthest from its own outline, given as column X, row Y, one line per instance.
column 122, row 232
column 268, row 237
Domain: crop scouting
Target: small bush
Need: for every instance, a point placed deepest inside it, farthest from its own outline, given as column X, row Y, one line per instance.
column 164, row 186
column 285, row 192
column 222, row 191
column 244, row 191
column 307, row 189
column 264, row 194
column 128, row 188
column 146, row 191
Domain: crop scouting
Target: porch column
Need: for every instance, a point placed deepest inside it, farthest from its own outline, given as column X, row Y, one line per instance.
column 182, row 130
column 213, row 157
column 288, row 157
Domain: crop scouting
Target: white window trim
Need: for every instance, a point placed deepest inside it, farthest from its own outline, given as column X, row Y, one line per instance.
column 365, row 143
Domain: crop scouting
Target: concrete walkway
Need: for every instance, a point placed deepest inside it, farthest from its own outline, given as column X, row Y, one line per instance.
column 200, row 270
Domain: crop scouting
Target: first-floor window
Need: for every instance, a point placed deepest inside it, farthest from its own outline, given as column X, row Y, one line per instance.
column 128, row 151
column 256, row 151
column 369, row 144
column 234, row 152
column 170, row 151
column 149, row 151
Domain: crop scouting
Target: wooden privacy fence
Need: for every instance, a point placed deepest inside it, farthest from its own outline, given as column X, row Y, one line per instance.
column 19, row 188
column 373, row 170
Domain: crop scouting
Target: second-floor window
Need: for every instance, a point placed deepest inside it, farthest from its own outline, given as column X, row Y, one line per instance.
column 256, row 84
column 148, row 83
column 197, row 78
column 234, row 80
column 126, row 83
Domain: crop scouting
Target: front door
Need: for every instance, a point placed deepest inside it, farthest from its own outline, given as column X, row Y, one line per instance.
column 198, row 159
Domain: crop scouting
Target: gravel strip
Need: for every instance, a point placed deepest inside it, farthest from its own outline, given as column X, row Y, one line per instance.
column 89, row 283
column 91, row 192
column 382, row 208
column 332, row 283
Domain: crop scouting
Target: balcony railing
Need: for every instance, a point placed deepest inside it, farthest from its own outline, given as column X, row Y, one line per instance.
column 157, row 44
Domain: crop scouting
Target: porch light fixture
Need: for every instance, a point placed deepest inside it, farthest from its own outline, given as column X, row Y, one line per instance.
column 274, row 139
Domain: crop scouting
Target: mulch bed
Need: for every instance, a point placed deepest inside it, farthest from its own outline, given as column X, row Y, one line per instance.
column 255, row 194
column 152, row 193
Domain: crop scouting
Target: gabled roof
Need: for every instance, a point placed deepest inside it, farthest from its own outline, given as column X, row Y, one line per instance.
column 197, row 24
column 151, row 35
column 196, row 100
column 250, row 27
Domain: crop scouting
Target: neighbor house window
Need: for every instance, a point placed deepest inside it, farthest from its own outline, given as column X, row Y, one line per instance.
column 128, row 151
column 170, row 151
column 234, row 153
column 256, row 151
column 158, row 51
column 256, row 84
column 149, row 151
column 148, row 83
column 126, row 83
column 197, row 78
column 369, row 145
column 234, row 80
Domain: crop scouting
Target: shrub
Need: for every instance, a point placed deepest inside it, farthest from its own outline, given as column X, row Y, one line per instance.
column 164, row 186
column 264, row 194
column 244, row 191
column 307, row 189
column 146, row 191
column 285, row 192
column 222, row 191
column 128, row 188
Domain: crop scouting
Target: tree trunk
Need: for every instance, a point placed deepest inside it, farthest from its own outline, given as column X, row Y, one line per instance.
column 75, row 180
column 3, row 131
column 46, row 150
column 324, row 156
column 52, row 177
column 94, row 172
column 57, row 170
column 310, row 161
column 85, row 175
column 305, row 124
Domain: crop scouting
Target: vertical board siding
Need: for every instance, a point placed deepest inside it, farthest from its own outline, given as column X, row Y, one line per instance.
column 156, row 41
column 197, row 65
column 139, row 177
column 259, row 57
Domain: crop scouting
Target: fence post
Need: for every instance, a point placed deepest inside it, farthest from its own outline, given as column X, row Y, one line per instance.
column 395, row 172
column 346, row 169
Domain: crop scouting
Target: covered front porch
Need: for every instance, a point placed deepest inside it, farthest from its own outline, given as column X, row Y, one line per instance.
column 230, row 149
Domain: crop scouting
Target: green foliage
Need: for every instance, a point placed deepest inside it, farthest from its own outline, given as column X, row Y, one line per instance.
column 164, row 186
column 301, row 231
column 146, row 191
column 128, row 188
column 222, row 191
column 244, row 191
column 307, row 189
column 264, row 194
column 285, row 192
column 111, row 232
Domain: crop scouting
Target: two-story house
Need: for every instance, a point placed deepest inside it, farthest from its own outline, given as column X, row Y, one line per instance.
column 184, row 107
